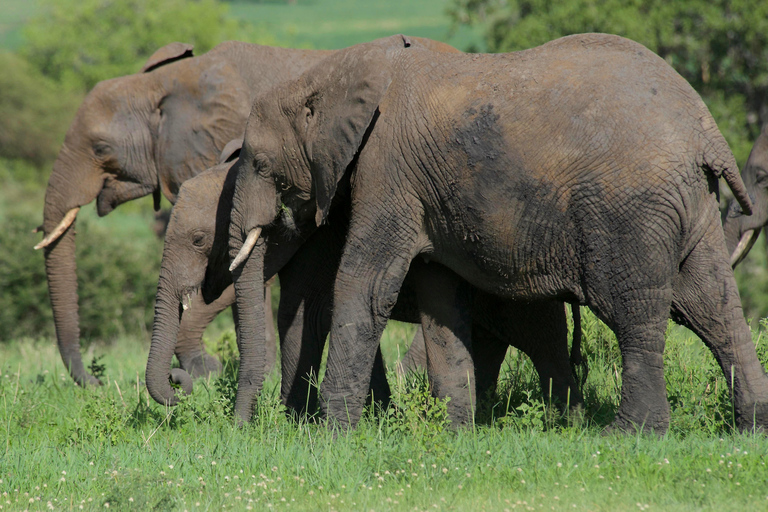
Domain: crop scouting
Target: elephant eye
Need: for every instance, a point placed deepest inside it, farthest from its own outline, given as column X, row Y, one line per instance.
column 198, row 240
column 102, row 149
column 761, row 177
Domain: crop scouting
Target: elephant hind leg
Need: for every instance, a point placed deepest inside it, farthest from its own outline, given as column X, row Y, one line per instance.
column 706, row 300
column 638, row 317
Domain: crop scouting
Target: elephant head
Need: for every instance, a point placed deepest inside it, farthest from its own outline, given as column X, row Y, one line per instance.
column 299, row 142
column 741, row 231
column 195, row 260
column 133, row 136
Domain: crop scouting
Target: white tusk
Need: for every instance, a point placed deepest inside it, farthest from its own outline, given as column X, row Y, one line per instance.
column 67, row 221
column 246, row 249
column 748, row 239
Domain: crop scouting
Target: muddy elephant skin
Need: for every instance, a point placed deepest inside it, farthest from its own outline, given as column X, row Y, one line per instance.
column 583, row 170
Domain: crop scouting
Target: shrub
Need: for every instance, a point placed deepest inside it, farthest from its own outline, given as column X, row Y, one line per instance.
column 118, row 265
column 35, row 113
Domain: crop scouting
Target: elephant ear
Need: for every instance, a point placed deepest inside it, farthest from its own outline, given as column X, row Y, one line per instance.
column 231, row 150
column 341, row 99
column 206, row 107
column 167, row 54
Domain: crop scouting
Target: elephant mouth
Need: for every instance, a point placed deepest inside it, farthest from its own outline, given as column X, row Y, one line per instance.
column 188, row 297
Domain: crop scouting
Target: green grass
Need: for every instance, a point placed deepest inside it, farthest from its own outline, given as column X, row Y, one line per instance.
column 339, row 23
column 77, row 447
column 308, row 24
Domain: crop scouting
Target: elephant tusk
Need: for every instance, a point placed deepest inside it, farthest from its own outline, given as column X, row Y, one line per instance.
column 67, row 221
column 748, row 239
column 246, row 249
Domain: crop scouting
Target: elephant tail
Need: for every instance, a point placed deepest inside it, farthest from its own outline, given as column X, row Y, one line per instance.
column 719, row 160
column 578, row 363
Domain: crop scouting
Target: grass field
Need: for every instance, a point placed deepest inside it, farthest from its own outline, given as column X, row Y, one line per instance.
column 339, row 23
column 308, row 24
column 62, row 447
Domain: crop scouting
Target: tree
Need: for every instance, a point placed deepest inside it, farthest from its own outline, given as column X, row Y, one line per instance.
column 35, row 116
column 719, row 46
column 81, row 42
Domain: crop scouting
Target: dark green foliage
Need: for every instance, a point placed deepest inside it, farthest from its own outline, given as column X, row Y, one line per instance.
column 118, row 264
column 720, row 46
column 35, row 113
column 79, row 43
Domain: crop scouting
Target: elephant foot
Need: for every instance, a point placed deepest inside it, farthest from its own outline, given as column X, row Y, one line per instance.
column 656, row 424
column 752, row 418
column 202, row 365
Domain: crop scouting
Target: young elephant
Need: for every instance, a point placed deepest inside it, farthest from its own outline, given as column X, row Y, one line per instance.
column 195, row 260
column 146, row 134
column 582, row 170
column 741, row 231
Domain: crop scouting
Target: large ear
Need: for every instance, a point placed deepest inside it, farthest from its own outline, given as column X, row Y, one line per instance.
column 342, row 96
column 206, row 107
column 167, row 54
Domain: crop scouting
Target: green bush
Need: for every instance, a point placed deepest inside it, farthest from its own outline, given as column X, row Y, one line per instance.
column 34, row 111
column 118, row 264
column 79, row 43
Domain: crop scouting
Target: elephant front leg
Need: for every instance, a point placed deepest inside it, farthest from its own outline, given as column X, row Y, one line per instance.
column 371, row 273
column 444, row 302
column 190, row 350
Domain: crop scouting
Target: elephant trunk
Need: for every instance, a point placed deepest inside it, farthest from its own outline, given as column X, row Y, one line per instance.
column 165, row 330
column 61, row 273
column 63, row 197
column 249, row 292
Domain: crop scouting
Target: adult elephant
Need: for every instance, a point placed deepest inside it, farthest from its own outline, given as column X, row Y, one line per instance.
column 146, row 134
column 582, row 170
column 741, row 231
column 196, row 260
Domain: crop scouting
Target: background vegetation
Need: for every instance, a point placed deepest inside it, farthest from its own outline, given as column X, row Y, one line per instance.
column 53, row 51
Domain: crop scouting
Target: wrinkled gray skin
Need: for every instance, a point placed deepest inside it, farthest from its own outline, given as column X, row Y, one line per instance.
column 741, row 231
column 146, row 134
column 583, row 170
column 196, row 258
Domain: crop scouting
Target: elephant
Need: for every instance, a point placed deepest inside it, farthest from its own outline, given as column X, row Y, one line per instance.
column 196, row 260
column 583, row 170
column 146, row 134
column 741, row 231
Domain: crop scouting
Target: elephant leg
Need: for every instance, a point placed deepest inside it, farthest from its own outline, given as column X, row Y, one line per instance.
column 706, row 300
column 269, row 319
column 444, row 301
column 302, row 335
column 371, row 272
column 639, row 321
column 416, row 356
column 190, row 349
column 488, row 351
column 537, row 329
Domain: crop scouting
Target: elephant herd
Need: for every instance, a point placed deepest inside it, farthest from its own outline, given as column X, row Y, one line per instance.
column 470, row 194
